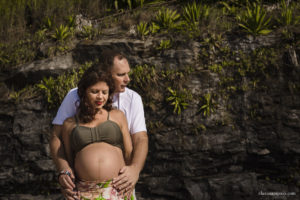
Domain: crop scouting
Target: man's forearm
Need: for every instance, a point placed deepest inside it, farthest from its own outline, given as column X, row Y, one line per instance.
column 57, row 150
column 140, row 150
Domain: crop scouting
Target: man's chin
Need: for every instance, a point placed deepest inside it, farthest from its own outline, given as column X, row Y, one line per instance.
column 121, row 90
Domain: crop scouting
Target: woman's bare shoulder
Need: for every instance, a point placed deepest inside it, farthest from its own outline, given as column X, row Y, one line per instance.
column 116, row 113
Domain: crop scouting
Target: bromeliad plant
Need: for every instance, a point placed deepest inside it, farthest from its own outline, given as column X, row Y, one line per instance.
column 48, row 23
column 89, row 32
column 142, row 29
column 254, row 20
column 194, row 13
column 228, row 9
column 287, row 16
column 61, row 33
column 179, row 99
column 208, row 105
column 154, row 28
column 168, row 19
column 164, row 44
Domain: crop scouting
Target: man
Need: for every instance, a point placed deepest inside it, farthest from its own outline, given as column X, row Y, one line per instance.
column 124, row 99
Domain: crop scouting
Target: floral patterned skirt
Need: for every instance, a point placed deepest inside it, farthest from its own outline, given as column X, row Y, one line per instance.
column 92, row 190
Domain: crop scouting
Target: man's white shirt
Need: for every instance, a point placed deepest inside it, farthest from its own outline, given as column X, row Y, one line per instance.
column 128, row 101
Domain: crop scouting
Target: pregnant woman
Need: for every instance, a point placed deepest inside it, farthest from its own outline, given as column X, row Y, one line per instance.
column 96, row 140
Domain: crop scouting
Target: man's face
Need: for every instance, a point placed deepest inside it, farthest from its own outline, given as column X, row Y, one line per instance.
column 119, row 73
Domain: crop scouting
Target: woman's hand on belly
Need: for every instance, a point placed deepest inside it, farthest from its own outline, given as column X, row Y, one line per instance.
column 98, row 161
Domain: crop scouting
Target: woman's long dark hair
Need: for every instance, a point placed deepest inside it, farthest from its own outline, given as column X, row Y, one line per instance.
column 91, row 76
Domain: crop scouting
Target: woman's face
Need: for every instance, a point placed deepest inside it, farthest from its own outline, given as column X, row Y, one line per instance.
column 97, row 94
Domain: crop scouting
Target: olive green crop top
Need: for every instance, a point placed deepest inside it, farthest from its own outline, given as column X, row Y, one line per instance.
column 108, row 131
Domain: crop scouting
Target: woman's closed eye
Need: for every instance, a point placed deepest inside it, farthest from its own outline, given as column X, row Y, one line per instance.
column 94, row 91
column 123, row 74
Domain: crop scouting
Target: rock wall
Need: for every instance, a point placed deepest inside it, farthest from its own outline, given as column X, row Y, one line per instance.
column 234, row 157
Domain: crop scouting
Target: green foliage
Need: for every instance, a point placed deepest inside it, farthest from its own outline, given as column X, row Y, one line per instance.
column 62, row 33
column 55, row 89
column 254, row 20
column 216, row 68
column 71, row 23
column 287, row 16
column 228, row 9
column 164, row 44
column 179, row 99
column 153, row 84
column 154, row 28
column 213, row 41
column 145, row 80
column 255, row 67
column 40, row 35
column 25, row 93
column 207, row 105
column 142, row 29
column 18, row 17
column 88, row 32
column 143, row 75
column 4, row 57
column 48, row 23
column 17, row 53
column 195, row 13
column 167, row 19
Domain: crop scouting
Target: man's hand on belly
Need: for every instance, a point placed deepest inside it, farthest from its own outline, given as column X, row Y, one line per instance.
column 67, row 185
column 127, row 179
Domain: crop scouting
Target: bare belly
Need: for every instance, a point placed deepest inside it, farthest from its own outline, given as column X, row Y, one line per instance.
column 98, row 161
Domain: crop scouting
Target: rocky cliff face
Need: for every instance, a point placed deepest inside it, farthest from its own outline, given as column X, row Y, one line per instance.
column 249, row 146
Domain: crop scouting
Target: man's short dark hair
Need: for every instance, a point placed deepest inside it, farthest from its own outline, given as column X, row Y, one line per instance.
column 107, row 57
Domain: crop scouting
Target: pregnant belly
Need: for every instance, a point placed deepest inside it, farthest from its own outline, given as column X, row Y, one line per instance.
column 98, row 161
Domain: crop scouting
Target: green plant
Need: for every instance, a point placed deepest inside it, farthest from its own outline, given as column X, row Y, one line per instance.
column 143, row 75
column 254, row 20
column 167, row 18
column 55, row 89
column 141, row 2
column 228, row 9
column 17, row 53
column 142, row 29
column 48, row 23
column 178, row 99
column 287, row 16
column 216, row 68
column 88, row 32
column 71, row 23
column 40, row 35
column 213, row 41
column 154, row 28
column 208, row 105
column 61, row 33
column 194, row 13
column 164, row 44
column 4, row 58
column 25, row 93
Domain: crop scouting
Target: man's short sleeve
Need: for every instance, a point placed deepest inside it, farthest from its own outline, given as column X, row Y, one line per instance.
column 137, row 116
column 67, row 107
